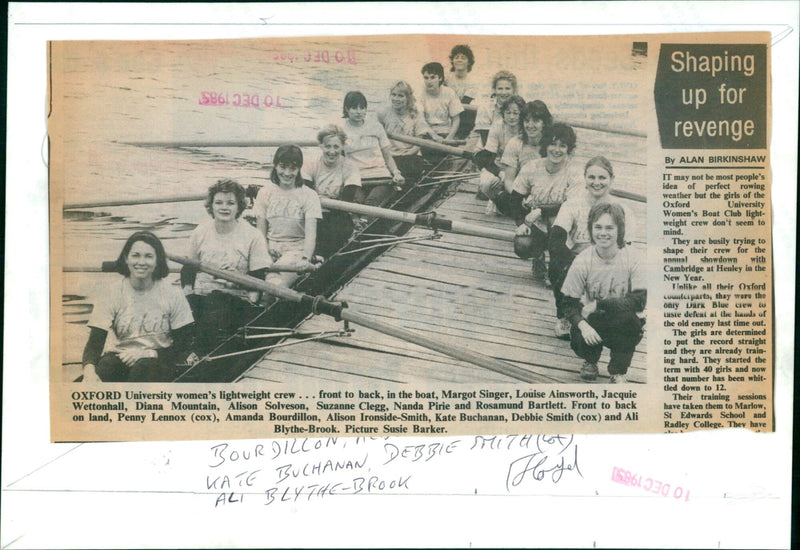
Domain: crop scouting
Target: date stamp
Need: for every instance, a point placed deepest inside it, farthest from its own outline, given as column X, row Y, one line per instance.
column 319, row 56
column 222, row 99
column 648, row 484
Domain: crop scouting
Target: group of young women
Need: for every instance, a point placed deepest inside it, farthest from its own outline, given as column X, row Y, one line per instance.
column 526, row 172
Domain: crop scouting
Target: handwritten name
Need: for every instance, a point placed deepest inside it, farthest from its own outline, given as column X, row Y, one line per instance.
column 555, row 455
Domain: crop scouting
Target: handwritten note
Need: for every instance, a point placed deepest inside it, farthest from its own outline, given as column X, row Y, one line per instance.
column 270, row 473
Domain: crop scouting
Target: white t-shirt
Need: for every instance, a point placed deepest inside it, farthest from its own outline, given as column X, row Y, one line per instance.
column 592, row 278
column 140, row 319
column 517, row 154
column 243, row 249
column 286, row 211
column 545, row 188
column 462, row 86
column 407, row 125
column 573, row 217
column 499, row 135
column 364, row 145
column 330, row 180
column 440, row 109
column 488, row 112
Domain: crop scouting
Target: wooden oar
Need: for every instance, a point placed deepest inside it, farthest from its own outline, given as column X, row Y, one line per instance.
column 340, row 311
column 228, row 143
column 133, row 202
column 432, row 145
column 428, row 219
column 598, row 127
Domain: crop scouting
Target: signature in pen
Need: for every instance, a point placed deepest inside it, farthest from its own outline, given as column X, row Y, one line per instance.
column 555, row 455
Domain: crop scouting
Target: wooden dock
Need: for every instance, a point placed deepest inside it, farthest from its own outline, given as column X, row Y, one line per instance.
column 473, row 291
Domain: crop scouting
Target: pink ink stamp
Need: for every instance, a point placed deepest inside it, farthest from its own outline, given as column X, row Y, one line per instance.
column 648, row 484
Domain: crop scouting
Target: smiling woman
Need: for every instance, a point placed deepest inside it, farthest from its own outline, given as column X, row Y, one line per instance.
column 225, row 242
column 149, row 321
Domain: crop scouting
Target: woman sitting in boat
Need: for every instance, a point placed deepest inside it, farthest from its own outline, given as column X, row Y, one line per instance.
column 336, row 177
column 501, row 132
column 460, row 81
column 605, row 296
column 440, row 105
column 369, row 147
column 149, row 320
column 504, row 85
column 402, row 117
column 225, row 242
column 539, row 190
column 569, row 235
column 287, row 214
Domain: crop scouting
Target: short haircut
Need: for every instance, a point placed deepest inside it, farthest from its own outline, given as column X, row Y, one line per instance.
column 617, row 214
column 161, row 270
column 558, row 132
column 290, row 155
column 465, row 50
column 411, row 102
column 513, row 100
column 353, row 99
column 226, row 186
column 434, row 67
column 332, row 130
column 505, row 75
column 602, row 162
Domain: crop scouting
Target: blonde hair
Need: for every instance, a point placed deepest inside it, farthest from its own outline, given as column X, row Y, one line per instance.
column 411, row 102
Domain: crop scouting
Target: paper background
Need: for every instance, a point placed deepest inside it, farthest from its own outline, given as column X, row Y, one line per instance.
column 147, row 494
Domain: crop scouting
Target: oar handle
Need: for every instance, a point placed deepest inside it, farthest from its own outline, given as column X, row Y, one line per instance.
column 432, row 145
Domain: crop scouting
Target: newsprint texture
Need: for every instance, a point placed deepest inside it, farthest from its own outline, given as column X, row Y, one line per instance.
column 410, row 235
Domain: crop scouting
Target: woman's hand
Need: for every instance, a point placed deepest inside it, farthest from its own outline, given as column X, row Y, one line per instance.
column 305, row 264
column 523, row 230
column 527, row 201
column 588, row 309
column 533, row 216
column 90, row 374
column 274, row 254
column 192, row 359
column 590, row 335
column 398, row 178
column 130, row 356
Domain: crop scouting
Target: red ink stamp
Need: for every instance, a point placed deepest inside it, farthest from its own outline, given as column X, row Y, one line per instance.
column 222, row 99
column 648, row 484
column 347, row 57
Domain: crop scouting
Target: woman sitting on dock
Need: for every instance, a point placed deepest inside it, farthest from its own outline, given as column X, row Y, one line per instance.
column 148, row 319
column 369, row 147
column 569, row 235
column 286, row 214
column 461, row 62
column 336, row 177
column 605, row 295
column 504, row 85
column 225, row 242
column 402, row 117
column 542, row 186
column 520, row 150
column 502, row 131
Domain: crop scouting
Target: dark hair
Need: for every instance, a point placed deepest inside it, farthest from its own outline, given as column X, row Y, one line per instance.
column 287, row 154
column 226, row 186
column 462, row 49
column 434, row 67
column 558, row 132
column 516, row 100
column 617, row 214
column 353, row 99
column 602, row 162
column 161, row 270
column 536, row 110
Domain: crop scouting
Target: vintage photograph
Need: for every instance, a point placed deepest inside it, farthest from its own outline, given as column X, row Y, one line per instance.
column 415, row 209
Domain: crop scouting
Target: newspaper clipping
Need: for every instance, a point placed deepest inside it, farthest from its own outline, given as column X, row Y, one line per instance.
column 410, row 235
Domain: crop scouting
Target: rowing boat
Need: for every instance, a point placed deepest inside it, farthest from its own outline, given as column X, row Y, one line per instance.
column 271, row 325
